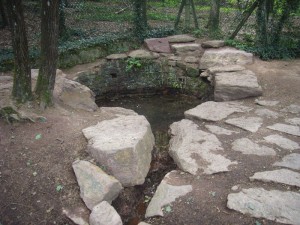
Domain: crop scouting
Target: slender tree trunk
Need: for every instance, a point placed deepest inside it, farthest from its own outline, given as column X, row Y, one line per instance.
column 140, row 17
column 246, row 15
column 49, row 52
column 22, row 74
column 262, row 23
column 214, row 16
column 4, row 19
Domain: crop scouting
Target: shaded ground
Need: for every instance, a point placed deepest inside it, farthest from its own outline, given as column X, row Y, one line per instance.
column 35, row 163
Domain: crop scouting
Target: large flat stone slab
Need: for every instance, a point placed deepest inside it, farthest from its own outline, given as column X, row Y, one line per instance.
column 123, row 146
column 223, row 57
column 251, row 124
column 194, row 150
column 166, row 193
column 143, row 54
column 266, row 113
column 236, row 85
column 185, row 47
column 291, row 161
column 289, row 129
column 104, row 214
column 213, row 44
column 282, row 142
column 181, row 38
column 282, row 176
column 278, row 206
column 95, row 185
column 219, row 130
column 248, row 147
column 215, row 111
column 292, row 109
column 160, row 45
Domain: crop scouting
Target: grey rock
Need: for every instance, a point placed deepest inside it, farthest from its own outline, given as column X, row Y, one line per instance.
column 215, row 111
column 279, row 206
column 95, row 185
column 118, row 111
column 181, row 38
column 219, row 130
column 292, row 109
column 74, row 94
column 251, row 124
column 266, row 113
column 291, row 161
column 248, row 147
column 117, row 56
column 293, row 121
column 223, row 57
column 236, row 85
column 282, row 142
column 282, row 176
column 186, row 47
column 123, row 146
column 165, row 194
column 143, row 54
column 174, row 58
column 104, row 214
column 213, row 44
column 143, row 223
column 194, row 150
column 235, row 188
column 160, row 45
column 226, row 68
column 266, row 103
column 79, row 215
column 289, row 129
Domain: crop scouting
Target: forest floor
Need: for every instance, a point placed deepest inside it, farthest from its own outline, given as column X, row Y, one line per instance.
column 36, row 176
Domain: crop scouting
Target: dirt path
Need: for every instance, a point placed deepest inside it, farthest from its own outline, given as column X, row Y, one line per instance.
column 37, row 180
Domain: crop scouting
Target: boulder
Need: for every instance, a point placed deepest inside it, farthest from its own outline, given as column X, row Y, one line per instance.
column 166, row 193
column 185, row 47
column 143, row 54
column 194, row 150
column 223, row 57
column 215, row 111
column 278, row 206
column 181, row 38
column 95, row 185
column 105, row 214
column 236, row 85
column 213, row 44
column 123, row 146
column 160, row 45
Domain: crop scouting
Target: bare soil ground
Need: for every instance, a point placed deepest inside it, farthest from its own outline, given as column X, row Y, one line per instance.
column 37, row 180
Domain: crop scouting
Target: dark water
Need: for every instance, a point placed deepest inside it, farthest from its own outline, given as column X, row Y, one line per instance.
column 161, row 111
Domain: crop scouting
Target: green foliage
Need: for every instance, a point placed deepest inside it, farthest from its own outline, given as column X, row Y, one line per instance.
column 133, row 63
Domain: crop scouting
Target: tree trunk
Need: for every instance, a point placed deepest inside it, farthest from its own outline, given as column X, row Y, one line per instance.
column 214, row 16
column 22, row 74
column 140, row 18
column 262, row 24
column 62, row 18
column 4, row 20
column 49, row 52
column 246, row 15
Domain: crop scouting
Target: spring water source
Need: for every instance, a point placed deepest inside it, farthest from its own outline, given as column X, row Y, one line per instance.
column 161, row 111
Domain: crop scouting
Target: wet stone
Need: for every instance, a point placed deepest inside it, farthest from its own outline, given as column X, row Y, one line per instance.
column 251, row 124
column 165, row 194
column 289, row 129
column 215, row 111
column 266, row 113
column 279, row 206
column 282, row 176
column 219, row 130
column 291, row 161
column 282, row 142
column 248, row 147
column 194, row 150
